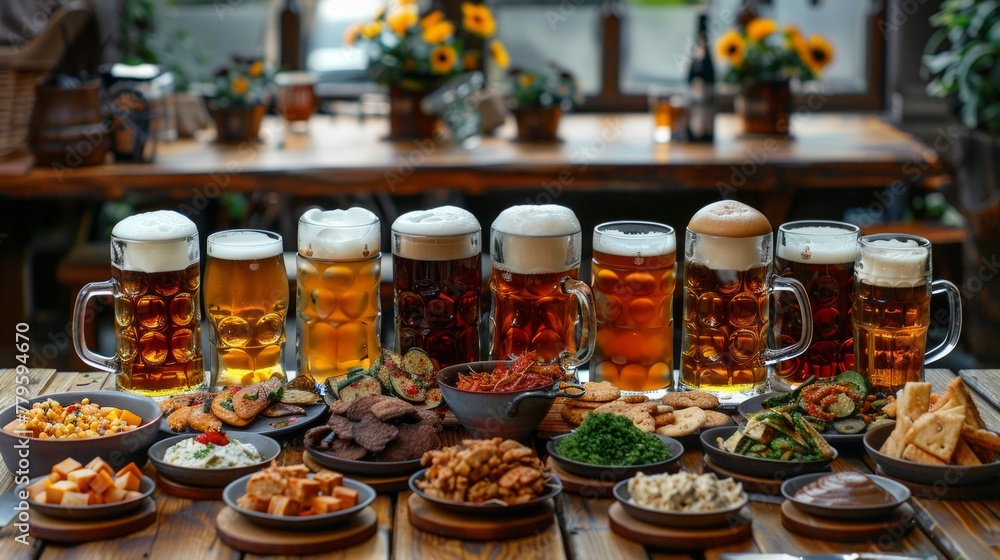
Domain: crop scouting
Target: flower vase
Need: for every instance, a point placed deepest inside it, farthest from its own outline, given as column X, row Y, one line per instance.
column 236, row 124
column 765, row 107
column 537, row 123
column 406, row 119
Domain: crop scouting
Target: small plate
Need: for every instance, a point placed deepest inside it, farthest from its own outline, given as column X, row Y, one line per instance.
column 609, row 472
column 554, row 486
column 212, row 478
column 752, row 466
column 238, row 487
column 899, row 492
column 932, row 475
column 262, row 424
column 675, row 519
column 96, row 511
column 753, row 406
column 373, row 469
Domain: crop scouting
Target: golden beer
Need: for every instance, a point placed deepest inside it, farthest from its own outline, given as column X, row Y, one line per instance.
column 634, row 268
column 246, row 297
column 338, row 305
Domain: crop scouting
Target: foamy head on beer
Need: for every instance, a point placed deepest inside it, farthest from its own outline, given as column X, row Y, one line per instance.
column 818, row 245
column 731, row 236
column 439, row 234
column 893, row 262
column 536, row 239
column 618, row 242
column 155, row 242
column 350, row 234
column 243, row 245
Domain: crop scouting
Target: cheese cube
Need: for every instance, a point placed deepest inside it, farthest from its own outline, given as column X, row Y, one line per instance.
column 54, row 494
column 66, row 466
column 97, row 465
column 348, row 496
column 82, row 478
column 114, row 495
column 40, row 486
column 128, row 481
column 130, row 468
column 130, row 418
column 132, row 495
column 40, row 497
column 75, row 499
column 102, row 482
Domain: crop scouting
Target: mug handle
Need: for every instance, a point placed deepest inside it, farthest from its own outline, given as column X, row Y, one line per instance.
column 954, row 327
column 91, row 358
column 588, row 314
column 772, row 356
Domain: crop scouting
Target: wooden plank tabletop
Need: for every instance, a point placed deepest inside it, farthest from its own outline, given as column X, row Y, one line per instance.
column 185, row 528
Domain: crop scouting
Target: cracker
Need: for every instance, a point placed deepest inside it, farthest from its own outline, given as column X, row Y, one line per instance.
column 981, row 438
column 914, row 400
column 686, row 421
column 637, row 413
column 567, row 401
column 716, row 419
column 937, row 432
column 634, row 399
column 663, row 419
column 913, row 453
column 964, row 455
column 687, row 399
column 603, row 391
column 573, row 415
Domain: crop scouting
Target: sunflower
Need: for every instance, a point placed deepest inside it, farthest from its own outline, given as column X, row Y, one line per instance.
column 439, row 32
column 758, row 29
column 240, row 86
column 525, row 80
column 478, row 19
column 820, row 53
column 353, row 32
column 470, row 61
column 731, row 47
column 402, row 19
column 371, row 30
column 443, row 59
column 432, row 19
column 256, row 69
column 499, row 54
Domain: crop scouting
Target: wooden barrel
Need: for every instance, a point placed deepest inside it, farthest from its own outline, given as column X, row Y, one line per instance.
column 68, row 129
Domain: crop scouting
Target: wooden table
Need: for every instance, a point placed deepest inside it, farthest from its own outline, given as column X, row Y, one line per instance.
column 185, row 528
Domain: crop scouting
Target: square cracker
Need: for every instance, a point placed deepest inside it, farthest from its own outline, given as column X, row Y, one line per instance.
column 937, row 433
column 913, row 453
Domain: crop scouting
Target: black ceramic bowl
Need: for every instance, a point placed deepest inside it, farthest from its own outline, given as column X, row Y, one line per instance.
column 932, row 475
column 676, row 519
column 212, row 478
column 752, row 466
column 609, row 472
column 898, row 492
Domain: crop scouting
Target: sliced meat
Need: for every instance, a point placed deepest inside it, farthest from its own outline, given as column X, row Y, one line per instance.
column 362, row 407
column 413, row 441
column 279, row 409
column 430, row 417
column 374, row 434
column 201, row 420
column 346, row 449
column 250, row 400
column 391, row 409
column 339, row 407
column 343, row 427
column 222, row 407
column 314, row 438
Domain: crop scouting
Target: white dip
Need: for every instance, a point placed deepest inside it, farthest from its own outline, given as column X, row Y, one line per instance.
column 190, row 453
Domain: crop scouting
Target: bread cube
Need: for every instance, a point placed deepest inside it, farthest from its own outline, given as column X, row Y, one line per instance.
column 128, row 481
column 348, row 496
column 282, row 505
column 252, row 503
column 66, row 466
column 54, row 493
column 326, row 504
column 328, row 480
column 291, row 471
column 265, row 484
column 82, row 477
column 74, row 499
column 97, row 465
column 302, row 490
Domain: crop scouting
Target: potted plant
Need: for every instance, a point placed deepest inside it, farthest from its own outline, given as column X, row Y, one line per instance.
column 763, row 60
column 239, row 98
column 414, row 52
column 962, row 57
column 538, row 99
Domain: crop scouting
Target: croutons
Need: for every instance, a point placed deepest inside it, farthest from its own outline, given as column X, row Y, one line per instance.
column 282, row 505
column 290, row 491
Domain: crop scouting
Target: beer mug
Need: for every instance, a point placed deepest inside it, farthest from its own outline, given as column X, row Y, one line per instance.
column 727, row 283
column 892, row 293
column 437, row 282
column 820, row 255
column 155, row 283
column 246, row 298
column 539, row 303
column 338, row 305
column 634, row 269
column 296, row 98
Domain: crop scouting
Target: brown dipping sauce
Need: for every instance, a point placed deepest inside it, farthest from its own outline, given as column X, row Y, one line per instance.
column 844, row 489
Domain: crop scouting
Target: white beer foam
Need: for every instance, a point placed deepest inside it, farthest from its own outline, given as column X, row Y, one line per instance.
column 818, row 245
column 892, row 262
column 243, row 245
column 729, row 253
column 538, row 239
column 339, row 234
column 627, row 244
column 438, row 234
column 156, row 241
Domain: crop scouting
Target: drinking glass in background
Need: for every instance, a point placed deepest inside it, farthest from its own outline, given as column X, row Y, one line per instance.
column 539, row 303
column 820, row 255
column 634, row 269
column 246, row 298
column 437, row 283
column 892, row 294
column 338, row 305
column 296, row 98
column 670, row 114
column 156, row 286
column 727, row 282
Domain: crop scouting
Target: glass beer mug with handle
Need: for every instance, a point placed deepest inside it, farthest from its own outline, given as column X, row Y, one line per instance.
column 155, row 283
column 892, row 293
column 539, row 302
column 728, row 281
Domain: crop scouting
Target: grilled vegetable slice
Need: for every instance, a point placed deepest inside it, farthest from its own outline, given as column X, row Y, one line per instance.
column 408, row 387
column 360, row 386
column 434, row 398
column 417, row 362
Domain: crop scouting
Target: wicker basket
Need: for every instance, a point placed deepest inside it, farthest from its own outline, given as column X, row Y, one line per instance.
column 23, row 66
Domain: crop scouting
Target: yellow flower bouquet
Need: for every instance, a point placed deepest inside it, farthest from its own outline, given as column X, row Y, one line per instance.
column 243, row 83
column 413, row 49
column 764, row 53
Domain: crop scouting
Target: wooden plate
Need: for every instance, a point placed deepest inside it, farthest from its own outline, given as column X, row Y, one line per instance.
column 628, row 527
column 75, row 531
column 586, row 487
column 894, row 527
column 750, row 483
column 427, row 516
column 182, row 490
column 242, row 534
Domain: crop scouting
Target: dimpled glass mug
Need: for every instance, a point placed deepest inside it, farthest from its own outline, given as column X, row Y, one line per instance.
column 155, row 283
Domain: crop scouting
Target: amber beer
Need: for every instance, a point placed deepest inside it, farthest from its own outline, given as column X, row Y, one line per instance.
column 437, row 283
column 156, row 282
column 892, row 310
column 634, row 268
column 338, row 308
column 821, row 255
column 246, row 298
column 539, row 303
column 296, row 97
column 728, row 260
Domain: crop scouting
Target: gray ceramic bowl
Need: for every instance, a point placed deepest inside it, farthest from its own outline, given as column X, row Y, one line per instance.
column 552, row 484
column 676, row 519
column 899, row 494
column 752, row 466
column 212, row 478
column 97, row 511
column 507, row 414
column 117, row 449
column 932, row 475
column 610, row 473
column 238, row 487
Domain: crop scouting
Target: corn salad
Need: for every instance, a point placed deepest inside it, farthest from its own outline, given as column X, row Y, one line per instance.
column 81, row 420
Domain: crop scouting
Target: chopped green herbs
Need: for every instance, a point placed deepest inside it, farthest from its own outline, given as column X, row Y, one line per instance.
column 613, row 440
column 204, row 451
